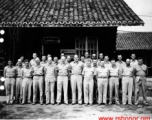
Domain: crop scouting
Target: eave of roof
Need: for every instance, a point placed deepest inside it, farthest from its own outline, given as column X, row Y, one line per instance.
column 54, row 13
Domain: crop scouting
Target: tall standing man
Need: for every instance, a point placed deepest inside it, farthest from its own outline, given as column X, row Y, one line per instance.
column 133, row 62
column 38, row 72
column 9, row 75
column 140, row 81
column 62, row 80
column 107, row 63
column 33, row 62
column 44, row 61
column 27, row 82
column 88, row 83
column 19, row 79
column 50, row 78
column 114, row 82
column 76, row 79
column 127, row 82
column 102, row 75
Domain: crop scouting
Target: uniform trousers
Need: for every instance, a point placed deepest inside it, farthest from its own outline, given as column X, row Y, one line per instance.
column 18, row 89
column 38, row 84
column 127, row 87
column 10, row 86
column 88, row 85
column 26, row 88
column 62, row 81
column 76, row 81
column 102, row 90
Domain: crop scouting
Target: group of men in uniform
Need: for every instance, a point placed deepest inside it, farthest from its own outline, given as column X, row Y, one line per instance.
column 95, row 79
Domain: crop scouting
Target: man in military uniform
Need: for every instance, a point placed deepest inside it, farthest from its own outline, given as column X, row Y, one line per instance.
column 18, row 90
column 133, row 62
column 82, row 59
column 62, row 80
column 107, row 62
column 9, row 75
column 115, row 73
column 55, row 60
column 27, row 82
column 50, row 78
column 76, row 79
column 140, row 81
column 44, row 61
column 38, row 72
column 127, row 82
column 88, row 83
column 32, row 62
column 102, row 75
column 100, row 58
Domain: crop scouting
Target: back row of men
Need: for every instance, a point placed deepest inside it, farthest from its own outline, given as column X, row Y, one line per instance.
column 83, row 75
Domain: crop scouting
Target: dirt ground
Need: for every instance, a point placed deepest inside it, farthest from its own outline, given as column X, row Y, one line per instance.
column 71, row 111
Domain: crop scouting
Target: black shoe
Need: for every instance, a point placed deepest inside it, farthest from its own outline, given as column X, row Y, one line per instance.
column 99, row 104
column 46, row 103
column 73, row 103
column 86, row 104
column 136, row 104
column 117, row 103
column 105, row 104
column 7, row 103
column 91, row 104
column 52, row 103
column 146, row 103
column 22, row 103
column 41, row 103
column 110, row 103
column 66, row 104
column 33, row 103
column 29, row 102
column 80, row 103
column 58, row 103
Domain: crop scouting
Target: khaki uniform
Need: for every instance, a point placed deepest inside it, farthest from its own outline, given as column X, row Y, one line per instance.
column 133, row 63
column 32, row 63
column 88, row 84
column 38, row 72
column 10, row 83
column 107, row 64
column 62, row 81
column 114, row 82
column 19, row 84
column 44, row 64
column 120, row 64
column 140, row 82
column 50, row 82
column 27, row 84
column 127, row 83
column 102, row 83
column 76, row 80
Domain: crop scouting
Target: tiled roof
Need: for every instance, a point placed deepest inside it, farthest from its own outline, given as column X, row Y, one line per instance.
column 60, row 12
column 134, row 41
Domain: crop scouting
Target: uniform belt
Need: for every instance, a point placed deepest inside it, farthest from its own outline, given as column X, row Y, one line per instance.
column 127, row 76
column 63, row 75
column 38, row 75
column 10, row 77
column 102, row 77
column 114, row 76
column 76, row 74
column 27, row 77
column 18, row 76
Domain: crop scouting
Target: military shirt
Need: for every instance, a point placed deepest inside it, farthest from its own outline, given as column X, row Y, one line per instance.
column 19, row 71
column 50, row 70
column 140, row 70
column 133, row 63
column 107, row 64
column 120, row 64
column 114, row 71
column 127, row 71
column 33, row 62
column 76, row 67
column 63, row 69
column 38, row 70
column 88, row 72
column 102, row 72
column 10, row 71
column 44, row 64
column 27, row 72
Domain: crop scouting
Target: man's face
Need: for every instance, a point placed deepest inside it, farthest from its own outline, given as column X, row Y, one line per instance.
column 19, row 63
column 140, row 61
column 34, row 56
column 63, row 60
column 37, row 62
column 102, row 64
column 50, row 61
column 22, row 58
column 10, row 63
column 101, row 56
column 127, row 62
column 113, row 63
column 88, row 64
column 106, row 58
column 76, row 58
column 68, row 58
column 55, row 59
column 86, row 54
column 94, row 63
column 43, row 58
column 26, row 64
column 119, row 57
column 133, row 56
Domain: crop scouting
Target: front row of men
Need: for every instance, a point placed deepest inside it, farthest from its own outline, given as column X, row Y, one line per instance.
column 133, row 79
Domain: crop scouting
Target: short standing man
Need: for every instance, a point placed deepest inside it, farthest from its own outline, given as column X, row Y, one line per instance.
column 140, row 81
column 38, row 72
column 9, row 75
column 27, row 82
column 18, row 90
column 62, row 80
column 127, row 82
column 88, row 83
column 76, row 79
column 115, row 73
column 102, row 75
column 32, row 62
column 50, row 78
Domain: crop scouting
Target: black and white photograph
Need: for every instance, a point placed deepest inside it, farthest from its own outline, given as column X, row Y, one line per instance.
column 76, row 59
